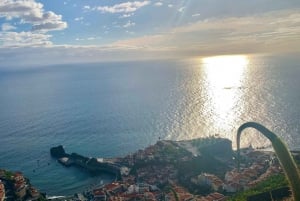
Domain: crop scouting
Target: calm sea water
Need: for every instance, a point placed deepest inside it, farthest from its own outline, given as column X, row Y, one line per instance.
column 112, row 109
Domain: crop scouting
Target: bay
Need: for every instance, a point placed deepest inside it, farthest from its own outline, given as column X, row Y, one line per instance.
column 115, row 108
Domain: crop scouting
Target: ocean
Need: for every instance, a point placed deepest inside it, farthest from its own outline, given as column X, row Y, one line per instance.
column 115, row 108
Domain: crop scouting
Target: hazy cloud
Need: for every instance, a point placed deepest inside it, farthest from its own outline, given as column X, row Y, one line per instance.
column 158, row 4
column 196, row 15
column 278, row 30
column 78, row 18
column 7, row 27
column 126, row 7
column 129, row 24
column 86, row 7
column 181, row 9
column 126, row 15
column 21, row 57
column 229, row 27
column 49, row 26
column 15, row 39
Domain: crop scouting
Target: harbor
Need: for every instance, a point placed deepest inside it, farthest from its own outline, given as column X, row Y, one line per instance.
column 93, row 165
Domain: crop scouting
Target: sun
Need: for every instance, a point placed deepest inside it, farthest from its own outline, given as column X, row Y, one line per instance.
column 225, row 71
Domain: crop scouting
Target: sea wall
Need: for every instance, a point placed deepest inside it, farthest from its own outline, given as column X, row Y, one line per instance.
column 90, row 164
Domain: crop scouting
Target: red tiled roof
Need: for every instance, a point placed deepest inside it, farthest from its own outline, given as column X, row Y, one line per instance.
column 185, row 196
column 112, row 186
column 217, row 195
column 98, row 192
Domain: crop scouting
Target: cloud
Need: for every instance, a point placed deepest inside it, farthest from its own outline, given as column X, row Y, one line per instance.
column 127, row 7
column 269, row 32
column 129, row 24
column 28, row 12
column 196, row 15
column 78, row 18
column 21, row 39
column 86, row 7
column 35, row 57
column 87, row 38
column 181, row 9
column 158, row 4
column 126, row 15
column 20, row 9
column 7, row 27
column 45, row 27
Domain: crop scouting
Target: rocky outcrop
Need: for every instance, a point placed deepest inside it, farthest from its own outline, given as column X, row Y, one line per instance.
column 58, row 152
column 87, row 163
column 220, row 148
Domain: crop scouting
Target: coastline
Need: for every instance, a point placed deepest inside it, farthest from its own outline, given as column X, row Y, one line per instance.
column 193, row 168
column 200, row 169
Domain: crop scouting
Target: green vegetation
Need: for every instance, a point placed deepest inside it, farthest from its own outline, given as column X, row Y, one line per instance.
column 196, row 166
column 273, row 182
column 201, row 164
column 284, row 156
column 8, row 175
column 173, row 150
column 168, row 189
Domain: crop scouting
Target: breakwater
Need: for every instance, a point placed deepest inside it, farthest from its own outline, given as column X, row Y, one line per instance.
column 90, row 164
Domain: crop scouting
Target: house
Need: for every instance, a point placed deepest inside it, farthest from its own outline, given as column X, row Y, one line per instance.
column 99, row 194
column 143, row 187
column 210, row 180
column 250, row 173
column 18, row 177
column 2, row 191
column 20, row 190
column 232, row 187
column 215, row 197
column 133, row 189
column 113, row 188
column 19, row 185
column 212, row 197
column 149, row 196
column 185, row 197
column 116, row 198
column 34, row 192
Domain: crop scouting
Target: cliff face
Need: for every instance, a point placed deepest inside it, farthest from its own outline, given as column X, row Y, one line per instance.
column 18, row 187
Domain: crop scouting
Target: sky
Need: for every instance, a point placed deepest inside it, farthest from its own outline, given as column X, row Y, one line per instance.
column 45, row 32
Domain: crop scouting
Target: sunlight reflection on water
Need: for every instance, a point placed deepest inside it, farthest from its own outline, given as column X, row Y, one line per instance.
column 224, row 76
column 218, row 101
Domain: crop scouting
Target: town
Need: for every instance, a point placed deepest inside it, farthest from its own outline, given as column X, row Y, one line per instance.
column 199, row 169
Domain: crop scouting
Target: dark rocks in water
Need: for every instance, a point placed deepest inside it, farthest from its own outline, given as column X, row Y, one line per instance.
column 91, row 164
column 57, row 152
